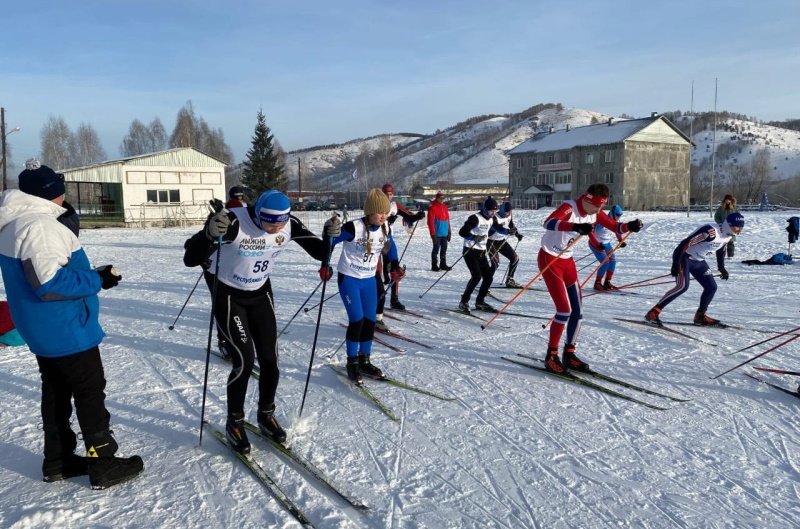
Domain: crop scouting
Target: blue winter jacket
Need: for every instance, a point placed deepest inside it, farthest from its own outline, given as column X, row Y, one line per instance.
column 51, row 287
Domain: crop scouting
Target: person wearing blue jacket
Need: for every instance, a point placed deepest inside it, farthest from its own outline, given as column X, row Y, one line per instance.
column 52, row 294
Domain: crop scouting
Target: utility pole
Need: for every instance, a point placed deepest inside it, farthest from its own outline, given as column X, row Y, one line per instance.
column 299, row 182
column 3, row 140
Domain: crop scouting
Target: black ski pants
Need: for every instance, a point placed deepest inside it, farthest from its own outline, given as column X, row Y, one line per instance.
column 480, row 272
column 247, row 322
column 498, row 248
column 77, row 377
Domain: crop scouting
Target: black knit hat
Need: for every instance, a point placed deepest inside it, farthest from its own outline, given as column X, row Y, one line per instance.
column 490, row 204
column 41, row 181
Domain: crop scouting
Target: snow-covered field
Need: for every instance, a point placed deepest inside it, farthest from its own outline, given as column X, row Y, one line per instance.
column 515, row 449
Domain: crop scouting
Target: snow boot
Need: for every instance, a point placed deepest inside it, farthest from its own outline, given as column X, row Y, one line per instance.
column 571, row 361
column 434, row 264
column 236, row 433
column 552, row 363
column 443, row 265
column 598, row 285
column 269, row 425
column 510, row 283
column 352, row 369
column 365, row 367
column 104, row 469
column 464, row 307
column 380, row 325
column 652, row 317
column 60, row 461
column 396, row 305
column 484, row 307
column 701, row 319
column 609, row 286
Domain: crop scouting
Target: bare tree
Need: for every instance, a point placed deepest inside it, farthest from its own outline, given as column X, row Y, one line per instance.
column 748, row 182
column 193, row 131
column 88, row 149
column 137, row 141
column 57, row 143
column 386, row 162
column 158, row 136
column 184, row 133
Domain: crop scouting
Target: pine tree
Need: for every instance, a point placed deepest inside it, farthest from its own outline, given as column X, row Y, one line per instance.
column 263, row 171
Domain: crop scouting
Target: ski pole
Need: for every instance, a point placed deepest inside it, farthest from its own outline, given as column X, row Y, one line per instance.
column 765, row 341
column 757, row 356
column 584, row 257
column 210, row 332
column 523, row 289
column 325, row 265
column 307, row 309
column 445, row 273
column 300, row 308
column 779, row 371
column 413, row 230
column 172, row 327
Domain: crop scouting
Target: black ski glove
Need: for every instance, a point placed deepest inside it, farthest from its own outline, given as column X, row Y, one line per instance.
column 478, row 238
column 623, row 244
column 584, row 228
column 675, row 270
column 109, row 276
column 723, row 274
column 519, row 236
column 420, row 215
column 634, row 225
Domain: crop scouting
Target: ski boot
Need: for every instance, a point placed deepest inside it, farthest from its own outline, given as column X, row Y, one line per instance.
column 269, row 425
column 106, row 470
column 552, row 363
column 464, row 307
column 609, row 286
column 381, row 325
column 598, row 285
column 702, row 320
column 484, row 307
column 236, row 434
column 396, row 305
column 510, row 283
column 571, row 361
column 652, row 317
column 352, row 370
column 366, row 367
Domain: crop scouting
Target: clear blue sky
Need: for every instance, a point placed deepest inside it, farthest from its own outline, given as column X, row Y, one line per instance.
column 328, row 72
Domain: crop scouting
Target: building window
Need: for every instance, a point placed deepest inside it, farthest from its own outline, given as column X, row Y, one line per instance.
column 518, row 163
column 589, row 157
column 549, row 158
column 163, row 196
column 587, row 180
column 608, row 156
column 608, row 178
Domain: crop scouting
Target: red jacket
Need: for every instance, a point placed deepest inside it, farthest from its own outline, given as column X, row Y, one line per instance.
column 438, row 219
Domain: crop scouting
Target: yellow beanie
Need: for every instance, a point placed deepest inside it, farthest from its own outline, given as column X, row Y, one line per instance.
column 377, row 202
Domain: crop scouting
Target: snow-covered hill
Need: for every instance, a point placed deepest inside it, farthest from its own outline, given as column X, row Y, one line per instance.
column 479, row 150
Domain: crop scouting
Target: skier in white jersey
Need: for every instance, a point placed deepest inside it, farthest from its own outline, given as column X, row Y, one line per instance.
column 690, row 258
column 501, row 230
column 475, row 232
column 253, row 238
column 600, row 244
column 363, row 241
column 561, row 277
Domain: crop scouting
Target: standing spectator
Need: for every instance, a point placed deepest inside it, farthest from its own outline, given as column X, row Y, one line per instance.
column 50, row 282
column 439, row 226
column 252, row 239
column 726, row 207
column 235, row 198
column 689, row 257
column 561, row 276
column 476, row 232
column 600, row 244
column 501, row 230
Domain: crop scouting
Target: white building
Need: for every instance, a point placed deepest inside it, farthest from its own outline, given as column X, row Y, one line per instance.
column 166, row 188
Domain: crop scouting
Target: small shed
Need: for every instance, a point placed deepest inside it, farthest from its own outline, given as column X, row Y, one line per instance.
column 167, row 188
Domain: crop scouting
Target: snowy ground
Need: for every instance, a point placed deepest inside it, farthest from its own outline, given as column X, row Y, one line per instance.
column 516, row 449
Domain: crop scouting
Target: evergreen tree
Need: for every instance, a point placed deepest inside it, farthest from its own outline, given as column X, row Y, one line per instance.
column 263, row 170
